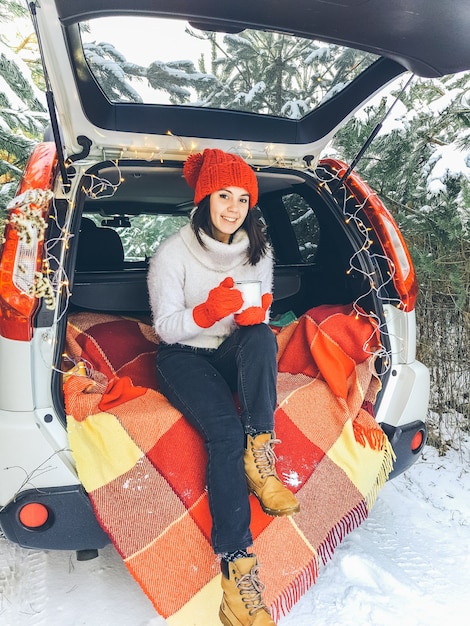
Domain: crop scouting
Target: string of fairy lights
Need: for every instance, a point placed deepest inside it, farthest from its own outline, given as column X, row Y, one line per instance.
column 352, row 212
column 52, row 282
column 94, row 187
column 25, row 216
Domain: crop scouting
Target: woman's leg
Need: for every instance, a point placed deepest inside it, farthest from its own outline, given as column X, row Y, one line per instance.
column 247, row 360
column 200, row 392
column 249, row 356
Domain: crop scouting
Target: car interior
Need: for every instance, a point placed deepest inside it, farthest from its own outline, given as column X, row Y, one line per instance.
column 306, row 230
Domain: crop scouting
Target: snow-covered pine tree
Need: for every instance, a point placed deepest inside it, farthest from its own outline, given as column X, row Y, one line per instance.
column 274, row 74
column 251, row 71
column 23, row 114
column 420, row 166
column 122, row 81
column 113, row 72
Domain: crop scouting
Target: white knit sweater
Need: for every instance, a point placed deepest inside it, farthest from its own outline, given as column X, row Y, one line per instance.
column 182, row 273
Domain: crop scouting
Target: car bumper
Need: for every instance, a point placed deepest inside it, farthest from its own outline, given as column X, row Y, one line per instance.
column 70, row 525
column 407, row 442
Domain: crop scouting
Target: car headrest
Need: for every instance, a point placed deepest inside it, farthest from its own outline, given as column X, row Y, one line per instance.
column 99, row 249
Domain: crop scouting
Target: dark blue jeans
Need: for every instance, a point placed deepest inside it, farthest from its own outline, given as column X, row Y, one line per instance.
column 200, row 383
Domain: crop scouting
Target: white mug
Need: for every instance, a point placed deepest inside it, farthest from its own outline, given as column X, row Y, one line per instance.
column 251, row 292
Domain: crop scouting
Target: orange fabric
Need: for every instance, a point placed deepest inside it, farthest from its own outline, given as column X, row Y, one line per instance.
column 141, row 423
column 167, row 586
column 334, row 363
column 118, row 391
column 365, row 435
column 90, row 393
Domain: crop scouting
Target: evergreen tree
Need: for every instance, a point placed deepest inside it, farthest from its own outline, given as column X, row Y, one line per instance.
column 121, row 80
column 252, row 71
column 273, row 74
column 113, row 72
column 420, row 166
column 23, row 115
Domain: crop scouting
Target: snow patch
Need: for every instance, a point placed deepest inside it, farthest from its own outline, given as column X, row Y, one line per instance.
column 292, row 478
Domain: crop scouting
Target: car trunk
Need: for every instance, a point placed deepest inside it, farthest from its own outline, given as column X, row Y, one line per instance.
column 318, row 258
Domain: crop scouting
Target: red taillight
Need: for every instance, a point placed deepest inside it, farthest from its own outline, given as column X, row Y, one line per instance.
column 21, row 253
column 417, row 441
column 387, row 231
column 33, row 515
column 40, row 168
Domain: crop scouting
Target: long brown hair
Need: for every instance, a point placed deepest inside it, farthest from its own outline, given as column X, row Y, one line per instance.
column 258, row 244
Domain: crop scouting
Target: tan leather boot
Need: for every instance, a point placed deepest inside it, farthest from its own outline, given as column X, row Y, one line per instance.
column 263, row 482
column 242, row 604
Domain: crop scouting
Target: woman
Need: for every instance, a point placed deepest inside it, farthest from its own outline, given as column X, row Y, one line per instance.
column 209, row 350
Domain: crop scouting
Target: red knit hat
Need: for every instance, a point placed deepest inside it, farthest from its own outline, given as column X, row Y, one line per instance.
column 214, row 169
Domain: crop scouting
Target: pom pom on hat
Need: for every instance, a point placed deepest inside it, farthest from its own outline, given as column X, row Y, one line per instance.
column 214, row 169
column 192, row 167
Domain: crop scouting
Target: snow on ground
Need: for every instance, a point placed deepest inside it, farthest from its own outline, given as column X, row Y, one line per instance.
column 407, row 565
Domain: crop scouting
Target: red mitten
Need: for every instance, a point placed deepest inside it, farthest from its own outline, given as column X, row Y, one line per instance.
column 254, row 314
column 221, row 301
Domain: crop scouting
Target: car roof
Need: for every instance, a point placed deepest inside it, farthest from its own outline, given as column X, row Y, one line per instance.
column 421, row 36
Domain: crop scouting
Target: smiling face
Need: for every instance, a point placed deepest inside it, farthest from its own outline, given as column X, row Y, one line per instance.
column 228, row 209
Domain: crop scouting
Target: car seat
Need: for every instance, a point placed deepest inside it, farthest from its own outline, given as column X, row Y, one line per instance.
column 99, row 249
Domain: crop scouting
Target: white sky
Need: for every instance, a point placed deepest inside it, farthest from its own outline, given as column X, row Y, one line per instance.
column 142, row 42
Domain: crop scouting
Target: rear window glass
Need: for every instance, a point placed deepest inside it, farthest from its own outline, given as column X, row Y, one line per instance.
column 304, row 224
column 142, row 234
column 164, row 61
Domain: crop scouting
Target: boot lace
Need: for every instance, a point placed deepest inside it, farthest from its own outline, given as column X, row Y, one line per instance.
column 251, row 589
column 265, row 458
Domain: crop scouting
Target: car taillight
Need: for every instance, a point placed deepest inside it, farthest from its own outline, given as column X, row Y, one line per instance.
column 21, row 253
column 387, row 231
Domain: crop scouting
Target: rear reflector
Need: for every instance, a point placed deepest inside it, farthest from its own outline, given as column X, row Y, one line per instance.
column 34, row 515
column 417, row 441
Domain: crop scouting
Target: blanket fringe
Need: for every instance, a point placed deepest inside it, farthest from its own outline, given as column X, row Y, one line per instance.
column 341, row 529
column 356, row 516
column 292, row 594
column 363, row 434
column 383, row 474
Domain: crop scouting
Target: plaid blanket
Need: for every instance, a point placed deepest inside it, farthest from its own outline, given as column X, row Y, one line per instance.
column 144, row 466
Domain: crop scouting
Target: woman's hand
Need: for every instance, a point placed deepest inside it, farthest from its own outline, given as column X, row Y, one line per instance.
column 221, row 301
column 254, row 314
